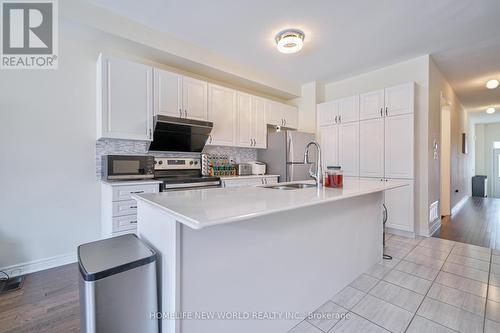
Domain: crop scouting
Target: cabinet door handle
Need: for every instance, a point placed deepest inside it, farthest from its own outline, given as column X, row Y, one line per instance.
column 180, row 113
column 132, row 207
column 136, row 192
column 133, row 222
column 386, row 111
column 185, row 113
column 265, row 180
column 340, row 119
column 336, row 119
column 285, row 121
column 150, row 134
column 381, row 112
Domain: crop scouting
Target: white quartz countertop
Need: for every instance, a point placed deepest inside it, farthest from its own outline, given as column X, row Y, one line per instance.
column 246, row 177
column 198, row 209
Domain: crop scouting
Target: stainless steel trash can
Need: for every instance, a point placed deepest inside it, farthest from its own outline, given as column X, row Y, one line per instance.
column 117, row 286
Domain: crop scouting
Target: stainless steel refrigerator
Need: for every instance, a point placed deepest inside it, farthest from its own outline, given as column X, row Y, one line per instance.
column 284, row 155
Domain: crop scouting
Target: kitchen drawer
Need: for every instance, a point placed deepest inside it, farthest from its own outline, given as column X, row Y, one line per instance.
column 127, row 207
column 122, row 223
column 126, row 192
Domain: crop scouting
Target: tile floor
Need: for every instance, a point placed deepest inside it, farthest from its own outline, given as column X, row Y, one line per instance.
column 431, row 285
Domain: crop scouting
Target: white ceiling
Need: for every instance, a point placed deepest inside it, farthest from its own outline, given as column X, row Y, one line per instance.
column 343, row 37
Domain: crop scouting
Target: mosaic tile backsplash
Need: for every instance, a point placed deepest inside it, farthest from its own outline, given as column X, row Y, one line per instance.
column 130, row 147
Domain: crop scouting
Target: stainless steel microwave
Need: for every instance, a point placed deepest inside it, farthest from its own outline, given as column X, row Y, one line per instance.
column 127, row 167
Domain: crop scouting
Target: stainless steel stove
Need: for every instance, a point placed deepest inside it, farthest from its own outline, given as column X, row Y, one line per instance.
column 182, row 174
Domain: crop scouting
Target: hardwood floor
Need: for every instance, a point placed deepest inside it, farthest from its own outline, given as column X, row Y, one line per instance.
column 47, row 302
column 477, row 223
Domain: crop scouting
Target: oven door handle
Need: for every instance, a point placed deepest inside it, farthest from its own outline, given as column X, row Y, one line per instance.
column 191, row 185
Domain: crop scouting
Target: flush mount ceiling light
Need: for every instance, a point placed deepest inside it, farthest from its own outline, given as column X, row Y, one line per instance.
column 490, row 110
column 492, row 84
column 290, row 40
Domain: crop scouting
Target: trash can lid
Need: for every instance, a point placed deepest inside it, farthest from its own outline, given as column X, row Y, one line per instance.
column 111, row 256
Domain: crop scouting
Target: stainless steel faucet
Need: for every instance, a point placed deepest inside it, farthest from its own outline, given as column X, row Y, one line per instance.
column 317, row 176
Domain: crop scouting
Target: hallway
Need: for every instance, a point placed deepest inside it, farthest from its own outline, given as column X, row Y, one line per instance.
column 477, row 223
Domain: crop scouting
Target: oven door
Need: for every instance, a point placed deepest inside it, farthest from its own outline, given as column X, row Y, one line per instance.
column 116, row 167
column 168, row 187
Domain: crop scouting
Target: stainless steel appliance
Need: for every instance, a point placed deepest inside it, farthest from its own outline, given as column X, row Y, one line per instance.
column 182, row 174
column 118, row 281
column 179, row 134
column 284, row 155
column 244, row 169
column 127, row 167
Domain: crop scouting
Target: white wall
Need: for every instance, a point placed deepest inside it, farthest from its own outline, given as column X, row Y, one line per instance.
column 416, row 70
column 461, row 164
column 50, row 196
column 486, row 134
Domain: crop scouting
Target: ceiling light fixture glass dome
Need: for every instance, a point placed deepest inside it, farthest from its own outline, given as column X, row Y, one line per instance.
column 490, row 110
column 290, row 40
column 492, row 84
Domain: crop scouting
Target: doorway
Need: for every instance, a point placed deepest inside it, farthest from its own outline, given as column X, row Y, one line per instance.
column 445, row 159
column 496, row 173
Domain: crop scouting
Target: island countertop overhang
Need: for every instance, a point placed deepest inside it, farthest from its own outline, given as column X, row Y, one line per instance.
column 202, row 208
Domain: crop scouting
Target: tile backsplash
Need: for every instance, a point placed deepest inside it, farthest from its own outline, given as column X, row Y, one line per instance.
column 130, row 147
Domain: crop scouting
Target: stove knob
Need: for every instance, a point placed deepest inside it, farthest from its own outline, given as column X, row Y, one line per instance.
column 190, row 162
column 195, row 162
column 161, row 162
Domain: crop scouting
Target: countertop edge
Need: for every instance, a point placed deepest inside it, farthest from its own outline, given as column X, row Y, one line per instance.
column 193, row 224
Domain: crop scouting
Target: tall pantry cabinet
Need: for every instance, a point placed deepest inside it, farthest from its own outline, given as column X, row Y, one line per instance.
column 387, row 148
column 371, row 135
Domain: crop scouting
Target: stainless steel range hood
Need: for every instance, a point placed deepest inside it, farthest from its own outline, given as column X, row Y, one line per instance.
column 179, row 134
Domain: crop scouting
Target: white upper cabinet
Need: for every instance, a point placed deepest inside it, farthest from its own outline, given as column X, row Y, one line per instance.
column 252, row 127
column 194, row 98
column 168, row 93
column 245, row 120
column 259, row 122
column 399, row 146
column 327, row 112
column 348, row 109
column 328, row 138
column 179, row 96
column 371, row 105
column 222, row 111
column 124, row 99
column 279, row 114
column 400, row 99
column 371, row 148
column 291, row 116
column 348, row 148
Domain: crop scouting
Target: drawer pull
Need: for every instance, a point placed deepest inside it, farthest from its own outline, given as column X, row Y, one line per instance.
column 133, row 222
column 136, row 192
column 133, row 207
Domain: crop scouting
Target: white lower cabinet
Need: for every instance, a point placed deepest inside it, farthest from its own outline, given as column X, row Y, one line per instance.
column 118, row 209
column 249, row 181
column 400, row 207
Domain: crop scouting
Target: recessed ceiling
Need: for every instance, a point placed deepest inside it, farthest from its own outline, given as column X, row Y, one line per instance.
column 343, row 37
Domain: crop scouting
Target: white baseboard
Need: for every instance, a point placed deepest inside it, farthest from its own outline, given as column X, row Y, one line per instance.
column 39, row 265
column 459, row 205
column 400, row 232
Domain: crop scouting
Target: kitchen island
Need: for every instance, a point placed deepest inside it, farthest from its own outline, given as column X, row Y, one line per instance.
column 256, row 259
